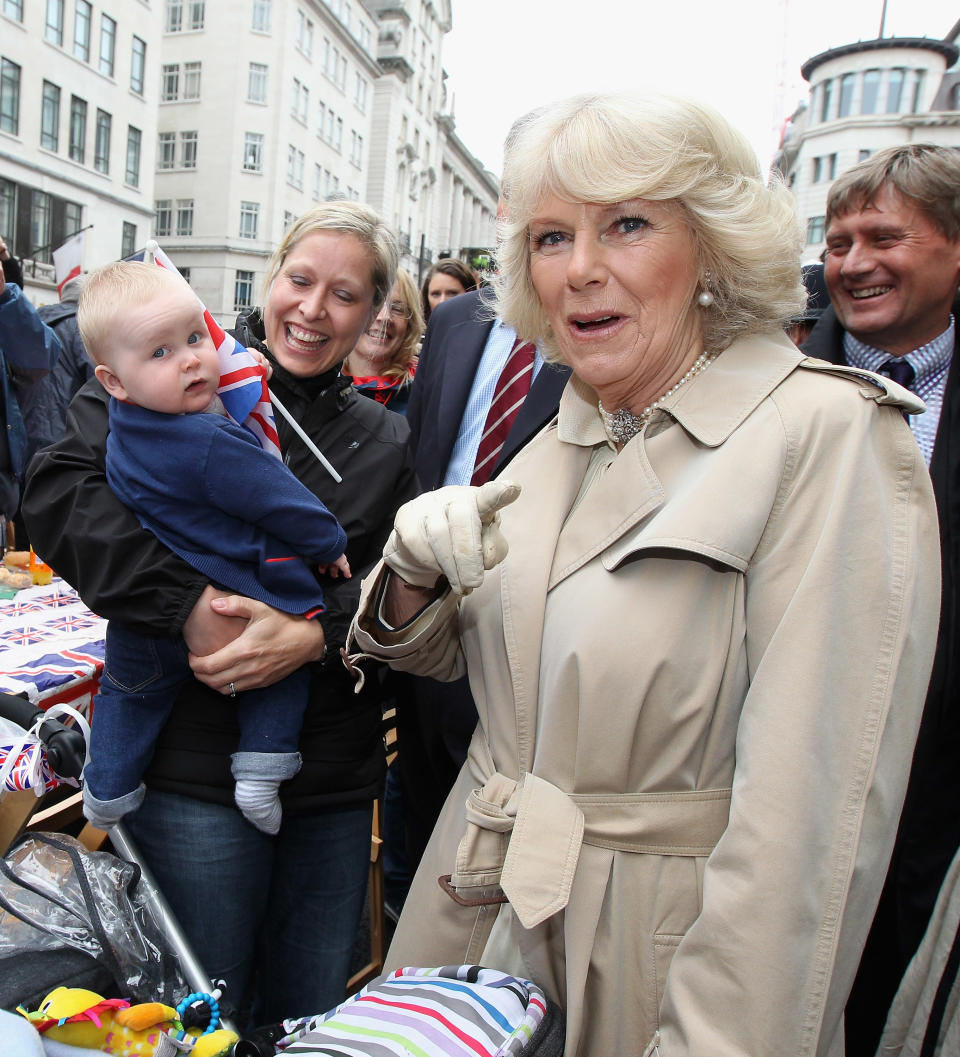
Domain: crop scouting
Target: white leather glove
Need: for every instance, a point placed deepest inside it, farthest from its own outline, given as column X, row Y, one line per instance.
column 453, row 532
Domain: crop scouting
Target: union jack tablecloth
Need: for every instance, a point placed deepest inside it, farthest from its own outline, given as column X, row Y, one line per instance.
column 51, row 645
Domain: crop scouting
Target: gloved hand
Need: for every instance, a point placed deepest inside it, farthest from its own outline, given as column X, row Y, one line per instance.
column 454, row 532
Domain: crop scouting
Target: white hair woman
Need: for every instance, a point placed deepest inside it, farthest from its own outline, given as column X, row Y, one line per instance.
column 276, row 917
column 700, row 668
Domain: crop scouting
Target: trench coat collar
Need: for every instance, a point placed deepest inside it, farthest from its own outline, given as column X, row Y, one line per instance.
column 710, row 406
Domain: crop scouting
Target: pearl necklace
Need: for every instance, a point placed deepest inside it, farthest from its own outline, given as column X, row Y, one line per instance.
column 622, row 424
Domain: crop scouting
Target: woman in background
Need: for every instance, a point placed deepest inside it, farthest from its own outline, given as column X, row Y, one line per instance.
column 384, row 361
column 448, row 278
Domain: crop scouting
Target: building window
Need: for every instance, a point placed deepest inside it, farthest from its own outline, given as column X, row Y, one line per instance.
column 195, row 15
column 814, row 230
column 184, row 217
column 78, row 129
column 295, row 167
column 317, row 177
column 185, row 274
column 138, row 63
column 338, row 137
column 50, row 117
column 845, row 107
column 72, row 218
column 863, row 155
column 288, row 220
column 243, row 290
column 304, row 35
column 101, row 153
column 40, row 210
column 128, row 242
column 81, row 31
column 8, row 211
column 249, row 219
column 356, row 149
column 13, row 9
column 871, row 92
column 257, row 83
column 188, row 149
column 163, row 217
column 132, row 173
column 895, row 79
column 918, row 91
column 167, row 150
column 360, row 93
column 301, row 101
column 826, row 99
column 108, row 44
column 170, row 82
column 53, row 31
column 253, row 152
column 831, row 166
column 261, row 16
column 9, row 96
column 191, row 80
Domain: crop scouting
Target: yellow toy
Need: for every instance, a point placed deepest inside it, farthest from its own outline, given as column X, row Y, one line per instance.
column 82, row 1018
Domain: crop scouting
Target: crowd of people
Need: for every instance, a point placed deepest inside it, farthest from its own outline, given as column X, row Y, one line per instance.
column 651, row 541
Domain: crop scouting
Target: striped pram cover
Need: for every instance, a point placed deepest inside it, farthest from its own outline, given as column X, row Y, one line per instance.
column 453, row 1011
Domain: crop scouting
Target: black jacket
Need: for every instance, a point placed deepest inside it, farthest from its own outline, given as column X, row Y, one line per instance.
column 73, row 370
column 123, row 573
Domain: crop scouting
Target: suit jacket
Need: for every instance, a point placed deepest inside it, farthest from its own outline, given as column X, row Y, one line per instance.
column 929, row 832
column 451, row 353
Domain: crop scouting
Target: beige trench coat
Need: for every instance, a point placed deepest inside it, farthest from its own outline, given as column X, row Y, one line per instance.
column 698, row 692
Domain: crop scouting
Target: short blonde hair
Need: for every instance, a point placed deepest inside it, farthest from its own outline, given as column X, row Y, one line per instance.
column 113, row 288
column 407, row 292
column 611, row 148
column 348, row 218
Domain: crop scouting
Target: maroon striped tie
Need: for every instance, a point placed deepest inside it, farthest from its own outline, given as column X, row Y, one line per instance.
column 512, row 388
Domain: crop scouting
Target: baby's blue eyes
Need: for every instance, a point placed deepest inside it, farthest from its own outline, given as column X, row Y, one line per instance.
column 158, row 354
column 193, row 339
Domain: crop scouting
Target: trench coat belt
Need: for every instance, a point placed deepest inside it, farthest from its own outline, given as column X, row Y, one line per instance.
column 525, row 836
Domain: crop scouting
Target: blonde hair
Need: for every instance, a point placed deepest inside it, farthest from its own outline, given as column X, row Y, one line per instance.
column 612, row 148
column 348, row 218
column 406, row 291
column 112, row 288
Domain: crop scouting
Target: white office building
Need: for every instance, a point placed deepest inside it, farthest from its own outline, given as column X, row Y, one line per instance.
column 211, row 124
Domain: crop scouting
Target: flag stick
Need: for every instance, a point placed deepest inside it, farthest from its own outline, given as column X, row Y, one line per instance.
column 306, row 440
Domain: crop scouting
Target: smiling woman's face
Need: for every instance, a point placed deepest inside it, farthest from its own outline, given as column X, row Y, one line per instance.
column 618, row 283
column 320, row 303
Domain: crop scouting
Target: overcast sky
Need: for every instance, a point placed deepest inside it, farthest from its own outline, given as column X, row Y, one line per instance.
column 505, row 57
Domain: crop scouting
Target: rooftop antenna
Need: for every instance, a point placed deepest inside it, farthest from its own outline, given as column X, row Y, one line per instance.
column 883, row 19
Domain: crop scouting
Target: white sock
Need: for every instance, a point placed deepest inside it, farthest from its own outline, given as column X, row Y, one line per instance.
column 259, row 800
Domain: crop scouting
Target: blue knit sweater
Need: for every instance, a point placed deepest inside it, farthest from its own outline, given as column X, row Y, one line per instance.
column 205, row 488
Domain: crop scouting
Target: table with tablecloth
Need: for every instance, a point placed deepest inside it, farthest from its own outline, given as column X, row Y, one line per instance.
column 51, row 646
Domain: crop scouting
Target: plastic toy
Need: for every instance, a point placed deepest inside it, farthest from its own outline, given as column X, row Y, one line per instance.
column 83, row 1018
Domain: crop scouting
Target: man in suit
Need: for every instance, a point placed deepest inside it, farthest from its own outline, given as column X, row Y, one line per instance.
column 893, row 271
column 464, row 352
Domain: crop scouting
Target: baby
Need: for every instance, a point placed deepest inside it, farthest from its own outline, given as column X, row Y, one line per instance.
column 205, row 488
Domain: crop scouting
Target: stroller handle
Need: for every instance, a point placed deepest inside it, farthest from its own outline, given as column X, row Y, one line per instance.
column 65, row 746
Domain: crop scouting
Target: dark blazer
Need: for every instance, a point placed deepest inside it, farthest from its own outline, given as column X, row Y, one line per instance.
column 451, row 353
column 436, row 720
column 929, row 833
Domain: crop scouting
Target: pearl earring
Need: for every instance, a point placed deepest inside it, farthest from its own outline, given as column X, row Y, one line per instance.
column 705, row 299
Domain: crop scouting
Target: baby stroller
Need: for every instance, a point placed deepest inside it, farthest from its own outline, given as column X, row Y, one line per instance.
column 446, row 1011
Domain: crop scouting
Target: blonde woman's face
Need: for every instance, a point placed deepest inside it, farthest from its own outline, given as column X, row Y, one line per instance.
column 320, row 303
column 618, row 283
column 382, row 339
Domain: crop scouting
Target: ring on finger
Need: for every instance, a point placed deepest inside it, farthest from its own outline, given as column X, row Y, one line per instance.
column 233, row 690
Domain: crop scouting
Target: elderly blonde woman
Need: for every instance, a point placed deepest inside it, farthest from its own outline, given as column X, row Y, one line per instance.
column 384, row 361
column 700, row 668
column 275, row 916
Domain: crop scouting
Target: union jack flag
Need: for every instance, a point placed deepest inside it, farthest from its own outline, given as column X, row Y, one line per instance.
column 72, row 623
column 243, row 381
column 23, row 636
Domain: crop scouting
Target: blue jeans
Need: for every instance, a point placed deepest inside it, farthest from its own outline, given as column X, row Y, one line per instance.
column 275, row 917
column 141, row 677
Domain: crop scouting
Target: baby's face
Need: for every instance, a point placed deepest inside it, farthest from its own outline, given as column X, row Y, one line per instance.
column 161, row 355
